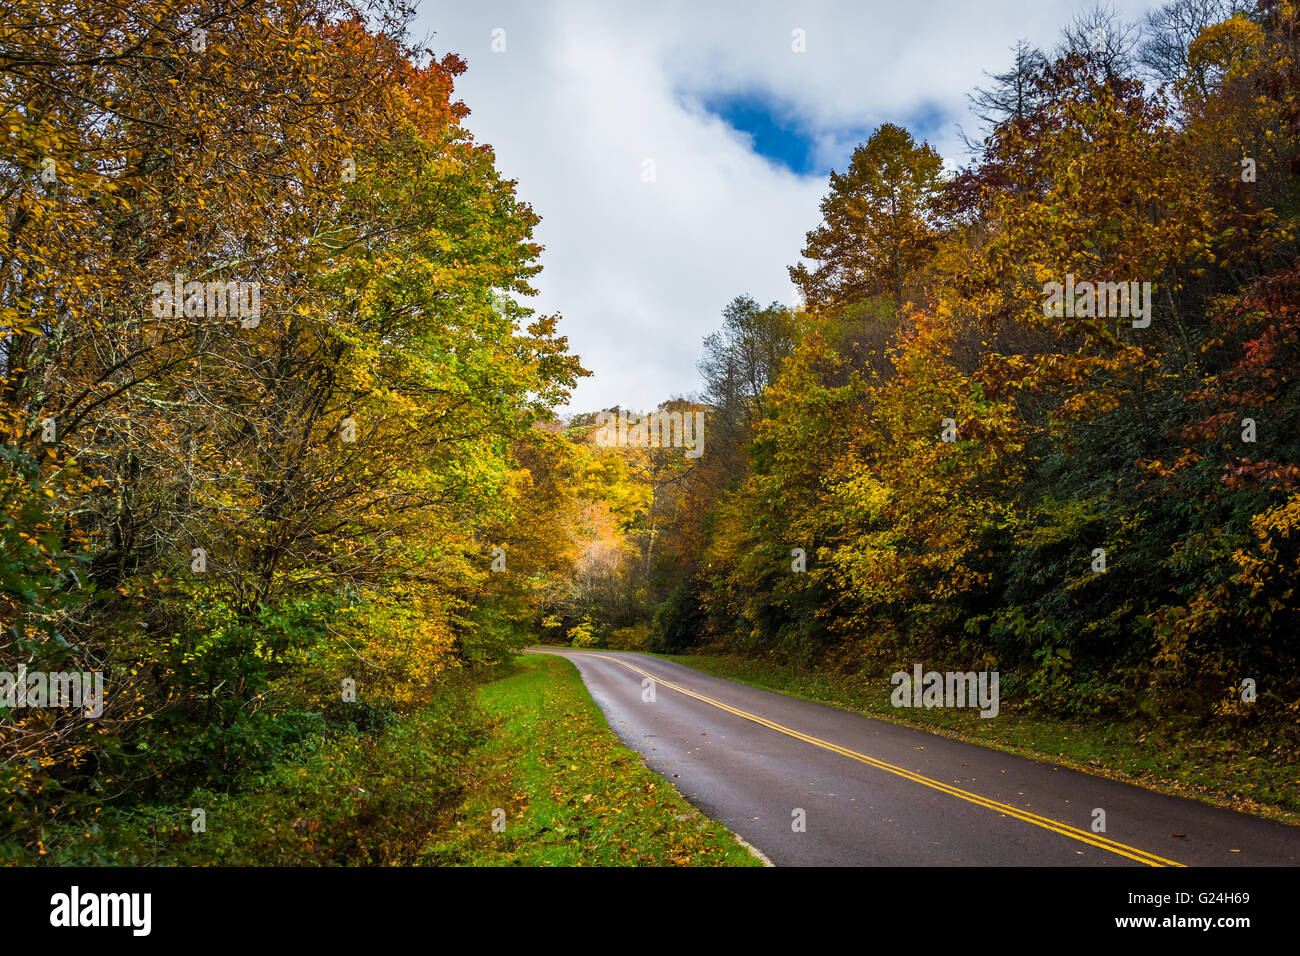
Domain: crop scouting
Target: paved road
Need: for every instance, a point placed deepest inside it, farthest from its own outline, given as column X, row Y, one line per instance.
column 874, row 793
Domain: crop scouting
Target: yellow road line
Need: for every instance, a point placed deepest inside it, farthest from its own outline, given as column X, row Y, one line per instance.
column 1083, row 836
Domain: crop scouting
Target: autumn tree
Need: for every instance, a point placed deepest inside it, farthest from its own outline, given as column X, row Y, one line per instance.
column 265, row 360
column 1169, row 31
column 1100, row 37
column 878, row 225
column 741, row 360
column 1012, row 95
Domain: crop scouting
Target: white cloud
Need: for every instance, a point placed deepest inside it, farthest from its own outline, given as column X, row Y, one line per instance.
column 586, row 92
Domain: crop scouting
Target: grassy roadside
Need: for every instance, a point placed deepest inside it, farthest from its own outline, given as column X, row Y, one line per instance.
column 1251, row 773
column 565, row 792
column 351, row 799
column 422, row 789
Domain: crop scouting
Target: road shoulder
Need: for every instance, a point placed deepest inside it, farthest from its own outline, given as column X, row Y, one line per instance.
column 1214, row 772
column 553, row 786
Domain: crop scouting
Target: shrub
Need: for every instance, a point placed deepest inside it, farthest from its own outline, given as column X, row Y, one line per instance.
column 634, row 638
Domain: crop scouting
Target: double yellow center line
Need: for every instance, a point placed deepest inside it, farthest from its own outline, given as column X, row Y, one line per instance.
column 1074, row 833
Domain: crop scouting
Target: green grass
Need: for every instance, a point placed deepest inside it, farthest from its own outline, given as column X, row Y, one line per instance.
column 570, row 793
column 1257, row 773
column 422, row 790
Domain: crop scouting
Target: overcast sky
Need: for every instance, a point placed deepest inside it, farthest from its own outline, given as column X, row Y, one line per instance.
column 677, row 152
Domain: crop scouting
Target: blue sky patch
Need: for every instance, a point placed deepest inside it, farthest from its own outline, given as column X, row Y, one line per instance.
column 929, row 123
column 778, row 136
column 784, row 140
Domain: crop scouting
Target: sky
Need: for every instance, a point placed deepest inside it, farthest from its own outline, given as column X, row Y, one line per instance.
column 677, row 152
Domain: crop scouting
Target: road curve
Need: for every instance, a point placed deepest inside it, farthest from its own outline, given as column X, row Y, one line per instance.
column 873, row 793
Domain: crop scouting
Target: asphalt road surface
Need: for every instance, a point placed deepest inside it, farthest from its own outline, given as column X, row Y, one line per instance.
column 811, row 785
